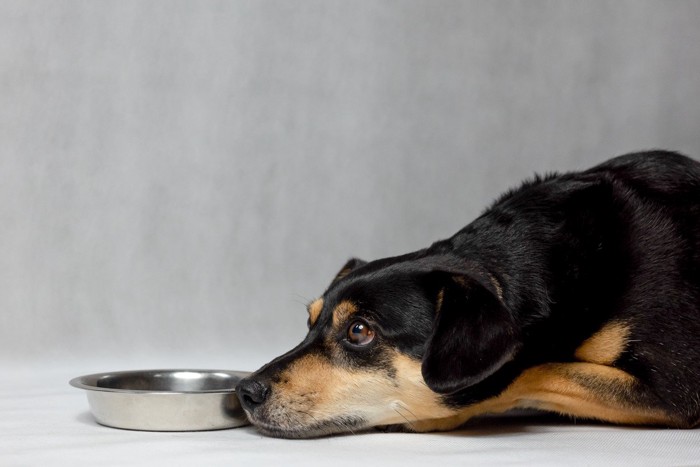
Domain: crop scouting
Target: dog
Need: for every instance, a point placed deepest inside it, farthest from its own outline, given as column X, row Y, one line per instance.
column 576, row 293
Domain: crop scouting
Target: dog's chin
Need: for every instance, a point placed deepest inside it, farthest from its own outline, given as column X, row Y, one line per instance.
column 337, row 425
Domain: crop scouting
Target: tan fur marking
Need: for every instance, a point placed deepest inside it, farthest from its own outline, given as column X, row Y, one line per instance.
column 412, row 392
column 425, row 411
column 558, row 387
column 605, row 346
column 342, row 312
column 440, row 298
column 461, row 281
column 313, row 389
column 304, row 376
column 315, row 310
column 497, row 286
column 567, row 388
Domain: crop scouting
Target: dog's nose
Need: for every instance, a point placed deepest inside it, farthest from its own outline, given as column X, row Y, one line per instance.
column 252, row 393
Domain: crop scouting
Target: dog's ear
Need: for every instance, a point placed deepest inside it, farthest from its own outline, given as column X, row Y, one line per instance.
column 351, row 265
column 473, row 333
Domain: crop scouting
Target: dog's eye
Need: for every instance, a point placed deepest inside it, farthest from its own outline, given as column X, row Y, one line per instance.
column 360, row 334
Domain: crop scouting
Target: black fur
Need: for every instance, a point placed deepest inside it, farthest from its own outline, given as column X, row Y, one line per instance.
column 540, row 271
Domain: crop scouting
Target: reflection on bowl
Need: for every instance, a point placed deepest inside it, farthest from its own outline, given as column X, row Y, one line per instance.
column 165, row 400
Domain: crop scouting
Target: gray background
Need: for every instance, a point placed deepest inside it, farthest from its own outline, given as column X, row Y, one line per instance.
column 182, row 177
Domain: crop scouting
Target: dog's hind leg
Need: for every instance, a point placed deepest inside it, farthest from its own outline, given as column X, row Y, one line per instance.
column 577, row 389
column 591, row 391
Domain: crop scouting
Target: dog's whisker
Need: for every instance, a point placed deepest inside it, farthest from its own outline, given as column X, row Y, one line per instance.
column 410, row 423
column 405, row 407
column 348, row 426
column 301, row 299
column 340, row 423
column 310, row 415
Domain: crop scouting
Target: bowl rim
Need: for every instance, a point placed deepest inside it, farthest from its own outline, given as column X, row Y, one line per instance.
column 88, row 382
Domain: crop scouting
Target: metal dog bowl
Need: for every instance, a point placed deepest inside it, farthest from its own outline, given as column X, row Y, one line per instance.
column 165, row 400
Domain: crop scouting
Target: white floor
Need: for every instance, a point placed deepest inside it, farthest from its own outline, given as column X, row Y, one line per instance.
column 44, row 421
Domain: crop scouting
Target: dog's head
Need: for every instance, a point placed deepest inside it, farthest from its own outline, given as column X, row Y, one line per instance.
column 386, row 341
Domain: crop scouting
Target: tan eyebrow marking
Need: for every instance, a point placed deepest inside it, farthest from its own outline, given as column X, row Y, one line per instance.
column 343, row 311
column 314, row 310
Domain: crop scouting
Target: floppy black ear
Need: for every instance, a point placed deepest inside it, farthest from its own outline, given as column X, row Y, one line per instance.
column 351, row 265
column 473, row 335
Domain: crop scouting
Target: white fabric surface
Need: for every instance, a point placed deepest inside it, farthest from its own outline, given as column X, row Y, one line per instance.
column 44, row 421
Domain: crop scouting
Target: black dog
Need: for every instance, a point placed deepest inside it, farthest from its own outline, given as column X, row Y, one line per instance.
column 576, row 293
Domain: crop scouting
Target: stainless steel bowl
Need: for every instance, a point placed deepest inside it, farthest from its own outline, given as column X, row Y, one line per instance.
column 165, row 400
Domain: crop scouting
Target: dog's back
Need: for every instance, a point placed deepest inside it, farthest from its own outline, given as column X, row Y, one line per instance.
column 660, row 201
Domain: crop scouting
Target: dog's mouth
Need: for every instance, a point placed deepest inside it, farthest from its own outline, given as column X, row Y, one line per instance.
column 341, row 424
